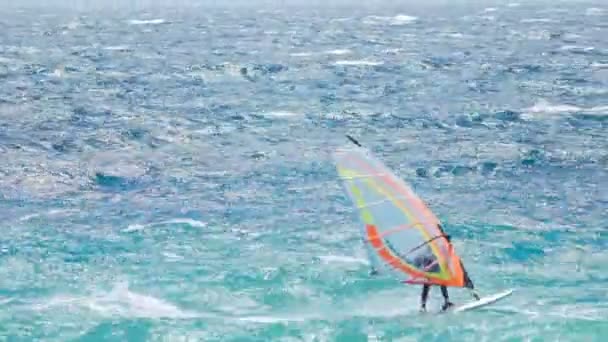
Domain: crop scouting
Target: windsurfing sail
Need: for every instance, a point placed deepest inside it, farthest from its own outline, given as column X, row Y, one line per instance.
column 400, row 232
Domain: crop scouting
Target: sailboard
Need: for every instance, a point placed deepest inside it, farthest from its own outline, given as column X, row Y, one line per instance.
column 483, row 301
column 402, row 235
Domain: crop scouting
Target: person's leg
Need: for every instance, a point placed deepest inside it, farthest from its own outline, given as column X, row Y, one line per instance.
column 468, row 283
column 444, row 292
column 446, row 304
column 425, row 293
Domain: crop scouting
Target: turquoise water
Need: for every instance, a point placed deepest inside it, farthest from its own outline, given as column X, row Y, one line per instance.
column 166, row 171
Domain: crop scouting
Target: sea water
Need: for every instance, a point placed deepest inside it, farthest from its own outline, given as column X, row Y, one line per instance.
column 166, row 170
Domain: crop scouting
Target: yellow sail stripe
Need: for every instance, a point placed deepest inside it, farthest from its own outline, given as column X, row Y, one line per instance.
column 365, row 214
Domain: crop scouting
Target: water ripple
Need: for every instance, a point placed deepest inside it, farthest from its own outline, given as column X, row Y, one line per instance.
column 167, row 170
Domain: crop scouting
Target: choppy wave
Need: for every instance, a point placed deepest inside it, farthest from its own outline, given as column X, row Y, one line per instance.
column 190, row 222
column 545, row 107
column 119, row 302
column 595, row 11
column 187, row 153
column 358, row 62
column 400, row 19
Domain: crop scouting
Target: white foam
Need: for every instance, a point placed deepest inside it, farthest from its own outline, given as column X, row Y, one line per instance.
column 138, row 305
column 119, row 302
column 116, row 164
column 28, row 217
column 223, row 129
column 538, row 35
column 280, row 114
column 544, row 107
column 114, row 74
column 52, row 212
column 382, row 306
column 513, row 4
column 600, row 110
column 490, row 9
column 340, row 19
column 599, row 65
column 138, row 226
column 594, row 11
column 571, row 36
column 271, row 319
column 455, row 35
column 301, row 54
column 335, row 52
column 172, row 256
column 134, row 228
column 392, row 50
column 400, row 19
column 343, row 259
column 147, row 22
column 537, row 20
column 116, row 48
column 190, row 222
column 339, row 52
column 59, row 72
column 21, row 49
column 357, row 62
column 577, row 48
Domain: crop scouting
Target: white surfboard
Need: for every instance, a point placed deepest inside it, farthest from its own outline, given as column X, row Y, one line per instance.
column 483, row 301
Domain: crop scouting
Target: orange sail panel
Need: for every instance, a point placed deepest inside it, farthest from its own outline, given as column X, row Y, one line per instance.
column 402, row 235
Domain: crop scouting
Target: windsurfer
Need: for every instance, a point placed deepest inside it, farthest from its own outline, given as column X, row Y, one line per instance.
column 428, row 263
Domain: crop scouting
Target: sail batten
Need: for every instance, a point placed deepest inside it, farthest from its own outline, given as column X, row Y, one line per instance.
column 367, row 205
column 400, row 230
column 364, row 176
